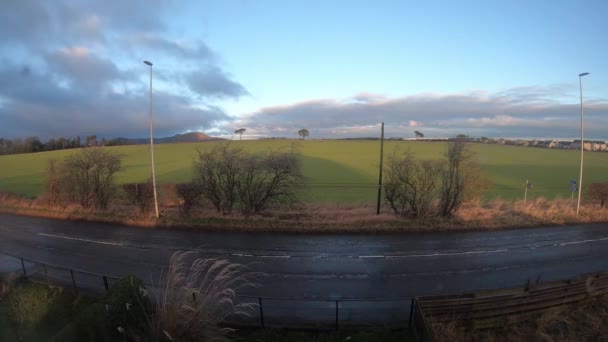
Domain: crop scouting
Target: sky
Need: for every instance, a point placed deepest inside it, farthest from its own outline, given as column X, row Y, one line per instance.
column 337, row 68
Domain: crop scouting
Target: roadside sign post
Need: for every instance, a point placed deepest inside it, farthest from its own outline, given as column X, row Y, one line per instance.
column 528, row 186
column 573, row 188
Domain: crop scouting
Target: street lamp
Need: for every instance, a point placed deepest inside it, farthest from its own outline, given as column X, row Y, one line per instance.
column 152, row 144
column 580, row 178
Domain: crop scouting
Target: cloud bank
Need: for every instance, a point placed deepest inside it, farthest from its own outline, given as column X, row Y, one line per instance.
column 518, row 112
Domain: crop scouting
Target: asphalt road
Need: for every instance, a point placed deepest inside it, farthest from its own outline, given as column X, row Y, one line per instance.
column 325, row 267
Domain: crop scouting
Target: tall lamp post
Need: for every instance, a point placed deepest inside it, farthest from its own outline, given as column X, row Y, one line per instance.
column 580, row 177
column 152, row 145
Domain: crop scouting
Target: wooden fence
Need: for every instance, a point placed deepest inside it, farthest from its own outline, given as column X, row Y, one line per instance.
column 492, row 309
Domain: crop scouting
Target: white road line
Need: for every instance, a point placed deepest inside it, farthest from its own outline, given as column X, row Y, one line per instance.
column 274, row 256
column 446, row 254
column 371, row 256
column 85, row 240
column 582, row 241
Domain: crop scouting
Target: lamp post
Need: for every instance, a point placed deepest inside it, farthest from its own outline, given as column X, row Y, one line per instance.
column 152, row 144
column 580, row 177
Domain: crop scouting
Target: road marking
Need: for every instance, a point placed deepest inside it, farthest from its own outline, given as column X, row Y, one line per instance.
column 84, row 240
column 274, row 256
column 446, row 254
column 582, row 241
column 371, row 256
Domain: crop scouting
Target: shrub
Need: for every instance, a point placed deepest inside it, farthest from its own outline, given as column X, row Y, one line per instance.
column 86, row 177
column 228, row 177
column 598, row 192
column 189, row 195
column 268, row 179
column 127, row 307
column 421, row 188
column 140, row 194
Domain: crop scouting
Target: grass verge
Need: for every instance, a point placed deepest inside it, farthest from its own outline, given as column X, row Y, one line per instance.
column 582, row 321
column 324, row 218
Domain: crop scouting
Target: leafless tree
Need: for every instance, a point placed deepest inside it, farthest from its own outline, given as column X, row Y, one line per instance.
column 216, row 173
column 189, row 195
column 598, row 192
column 411, row 185
column 418, row 134
column 140, row 194
column 453, row 178
column 228, row 177
column 53, row 181
column 268, row 179
column 89, row 176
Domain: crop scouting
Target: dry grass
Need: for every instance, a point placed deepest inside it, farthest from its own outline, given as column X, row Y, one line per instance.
column 196, row 296
column 322, row 218
column 583, row 321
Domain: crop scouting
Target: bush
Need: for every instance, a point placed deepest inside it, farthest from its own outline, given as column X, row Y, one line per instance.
column 128, row 307
column 598, row 192
column 421, row 188
column 189, row 195
column 140, row 194
column 228, row 177
column 412, row 185
column 86, row 177
column 268, row 179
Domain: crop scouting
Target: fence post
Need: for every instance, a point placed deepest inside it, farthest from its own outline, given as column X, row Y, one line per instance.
column 105, row 283
column 23, row 267
column 74, row 282
column 411, row 314
column 46, row 275
column 261, row 311
column 337, row 315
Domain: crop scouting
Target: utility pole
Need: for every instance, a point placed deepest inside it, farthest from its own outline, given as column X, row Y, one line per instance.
column 580, row 179
column 380, row 172
column 152, row 145
column 526, row 192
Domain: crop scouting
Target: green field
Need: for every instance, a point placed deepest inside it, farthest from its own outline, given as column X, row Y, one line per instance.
column 340, row 171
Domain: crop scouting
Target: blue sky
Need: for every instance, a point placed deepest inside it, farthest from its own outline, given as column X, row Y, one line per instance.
column 338, row 68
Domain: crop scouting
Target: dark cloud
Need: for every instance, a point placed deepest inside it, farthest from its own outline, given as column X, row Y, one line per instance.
column 67, row 67
column 512, row 113
column 83, row 69
column 213, row 82
column 33, row 111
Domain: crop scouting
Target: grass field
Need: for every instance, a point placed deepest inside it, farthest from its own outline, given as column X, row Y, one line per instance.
column 337, row 171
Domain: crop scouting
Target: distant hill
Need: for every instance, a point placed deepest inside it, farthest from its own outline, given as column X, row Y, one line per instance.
column 178, row 138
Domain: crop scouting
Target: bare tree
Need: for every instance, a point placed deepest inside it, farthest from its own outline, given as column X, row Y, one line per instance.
column 411, row 185
column 216, row 173
column 598, row 192
column 418, row 134
column 53, row 181
column 89, row 176
column 303, row 133
column 268, row 179
column 240, row 132
column 140, row 194
column 453, row 180
column 189, row 195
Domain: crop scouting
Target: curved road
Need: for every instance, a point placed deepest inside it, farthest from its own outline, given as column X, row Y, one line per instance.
column 325, row 266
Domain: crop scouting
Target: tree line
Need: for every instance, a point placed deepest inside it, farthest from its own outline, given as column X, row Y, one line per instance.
column 34, row 144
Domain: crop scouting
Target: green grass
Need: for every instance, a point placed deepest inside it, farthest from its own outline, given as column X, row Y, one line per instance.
column 338, row 171
column 34, row 312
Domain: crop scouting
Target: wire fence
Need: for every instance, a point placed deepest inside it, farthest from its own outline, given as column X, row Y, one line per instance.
column 271, row 312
